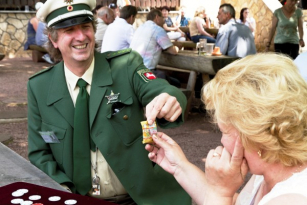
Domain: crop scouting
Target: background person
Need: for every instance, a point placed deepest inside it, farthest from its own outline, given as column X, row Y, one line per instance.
column 105, row 16
column 95, row 10
column 197, row 26
column 234, row 39
column 35, row 34
column 285, row 22
column 149, row 40
column 31, row 29
column 262, row 132
column 119, row 34
column 115, row 9
column 246, row 20
column 103, row 146
column 173, row 31
column 182, row 19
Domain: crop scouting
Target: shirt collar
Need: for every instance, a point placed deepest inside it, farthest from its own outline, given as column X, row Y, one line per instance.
column 121, row 20
column 72, row 79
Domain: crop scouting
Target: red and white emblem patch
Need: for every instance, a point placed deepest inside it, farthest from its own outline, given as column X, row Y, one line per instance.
column 150, row 75
column 146, row 75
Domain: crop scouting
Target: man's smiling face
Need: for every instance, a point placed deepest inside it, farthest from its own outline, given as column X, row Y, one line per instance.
column 76, row 43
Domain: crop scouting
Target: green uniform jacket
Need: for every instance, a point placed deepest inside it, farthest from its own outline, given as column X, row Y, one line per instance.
column 118, row 137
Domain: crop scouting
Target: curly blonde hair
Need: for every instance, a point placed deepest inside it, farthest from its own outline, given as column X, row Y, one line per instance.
column 265, row 98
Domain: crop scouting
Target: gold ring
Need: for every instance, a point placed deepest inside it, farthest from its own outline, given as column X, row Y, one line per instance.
column 215, row 154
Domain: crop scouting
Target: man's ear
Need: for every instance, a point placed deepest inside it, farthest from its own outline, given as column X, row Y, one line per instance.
column 53, row 43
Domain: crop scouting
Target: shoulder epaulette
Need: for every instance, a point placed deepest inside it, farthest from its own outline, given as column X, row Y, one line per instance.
column 118, row 53
column 40, row 72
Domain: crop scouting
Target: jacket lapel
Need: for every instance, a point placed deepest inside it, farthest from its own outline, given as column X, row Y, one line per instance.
column 59, row 96
column 101, row 78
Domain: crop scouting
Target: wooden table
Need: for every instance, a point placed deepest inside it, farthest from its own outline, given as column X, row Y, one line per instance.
column 190, row 61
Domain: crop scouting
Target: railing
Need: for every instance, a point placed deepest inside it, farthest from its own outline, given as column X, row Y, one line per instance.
column 20, row 4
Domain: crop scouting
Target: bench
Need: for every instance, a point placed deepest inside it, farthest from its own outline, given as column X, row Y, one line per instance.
column 37, row 53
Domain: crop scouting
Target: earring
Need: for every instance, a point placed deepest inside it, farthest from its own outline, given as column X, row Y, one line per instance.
column 259, row 153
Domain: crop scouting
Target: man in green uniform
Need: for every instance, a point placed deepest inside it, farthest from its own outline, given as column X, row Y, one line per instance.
column 84, row 114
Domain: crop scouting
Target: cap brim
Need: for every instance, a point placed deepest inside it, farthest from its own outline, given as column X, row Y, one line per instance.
column 72, row 22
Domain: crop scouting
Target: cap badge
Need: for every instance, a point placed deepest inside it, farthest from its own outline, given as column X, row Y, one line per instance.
column 69, row 7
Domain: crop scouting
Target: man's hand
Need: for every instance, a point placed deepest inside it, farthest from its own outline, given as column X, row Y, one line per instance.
column 163, row 106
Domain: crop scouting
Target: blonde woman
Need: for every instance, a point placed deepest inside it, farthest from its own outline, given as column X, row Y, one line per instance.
column 197, row 26
column 260, row 106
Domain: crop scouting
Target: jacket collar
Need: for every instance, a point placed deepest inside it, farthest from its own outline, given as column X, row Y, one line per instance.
column 59, row 96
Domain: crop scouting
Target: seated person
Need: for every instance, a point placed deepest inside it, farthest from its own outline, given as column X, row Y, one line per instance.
column 40, row 40
column 105, row 16
column 182, row 19
column 149, row 40
column 40, row 37
column 246, row 20
column 197, row 25
column 263, row 132
column 234, row 39
column 119, row 33
column 173, row 32
column 31, row 29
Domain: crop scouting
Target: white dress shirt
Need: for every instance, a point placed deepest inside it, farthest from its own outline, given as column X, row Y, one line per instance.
column 117, row 36
column 109, row 183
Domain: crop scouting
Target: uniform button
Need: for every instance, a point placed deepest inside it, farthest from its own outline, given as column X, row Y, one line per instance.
column 125, row 117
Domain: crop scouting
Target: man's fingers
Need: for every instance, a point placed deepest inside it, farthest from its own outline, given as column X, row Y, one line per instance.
column 153, row 109
column 171, row 110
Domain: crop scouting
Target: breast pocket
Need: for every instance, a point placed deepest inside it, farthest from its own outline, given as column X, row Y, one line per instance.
column 125, row 119
column 56, row 148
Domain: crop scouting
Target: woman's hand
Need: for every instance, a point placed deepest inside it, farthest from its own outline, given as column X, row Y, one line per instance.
column 302, row 43
column 166, row 153
column 225, row 173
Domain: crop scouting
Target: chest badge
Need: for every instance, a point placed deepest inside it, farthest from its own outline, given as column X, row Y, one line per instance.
column 112, row 98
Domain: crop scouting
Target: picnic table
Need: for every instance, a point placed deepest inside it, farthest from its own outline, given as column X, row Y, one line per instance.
column 191, row 62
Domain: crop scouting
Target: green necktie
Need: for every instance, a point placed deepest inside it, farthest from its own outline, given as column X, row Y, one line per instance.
column 81, row 142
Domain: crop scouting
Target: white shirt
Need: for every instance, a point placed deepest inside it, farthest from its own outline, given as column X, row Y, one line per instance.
column 101, row 29
column 117, row 36
column 109, row 183
column 296, row 184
